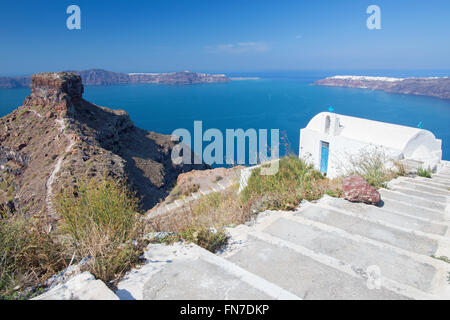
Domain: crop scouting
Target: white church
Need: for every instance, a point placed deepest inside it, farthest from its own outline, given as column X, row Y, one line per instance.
column 330, row 140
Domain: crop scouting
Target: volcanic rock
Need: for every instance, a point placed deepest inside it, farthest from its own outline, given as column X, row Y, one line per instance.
column 356, row 189
column 71, row 138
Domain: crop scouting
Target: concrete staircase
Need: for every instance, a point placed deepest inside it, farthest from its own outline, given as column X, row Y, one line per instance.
column 331, row 249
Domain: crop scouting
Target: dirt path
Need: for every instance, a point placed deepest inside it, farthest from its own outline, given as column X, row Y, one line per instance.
column 61, row 123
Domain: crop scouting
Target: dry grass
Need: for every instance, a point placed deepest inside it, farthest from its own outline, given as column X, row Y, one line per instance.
column 183, row 191
column 203, row 220
column 101, row 220
column 194, row 222
column 28, row 256
column 375, row 167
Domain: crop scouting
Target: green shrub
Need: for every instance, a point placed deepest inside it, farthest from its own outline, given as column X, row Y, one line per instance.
column 426, row 173
column 295, row 181
column 101, row 220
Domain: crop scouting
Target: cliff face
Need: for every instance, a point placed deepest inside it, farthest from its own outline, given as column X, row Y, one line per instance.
column 56, row 138
column 59, row 90
column 98, row 77
column 15, row 82
column 177, row 78
column 433, row 87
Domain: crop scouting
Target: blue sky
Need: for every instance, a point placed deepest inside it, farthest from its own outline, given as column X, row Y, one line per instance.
column 223, row 36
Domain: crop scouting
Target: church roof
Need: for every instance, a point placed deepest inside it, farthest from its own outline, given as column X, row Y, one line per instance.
column 369, row 131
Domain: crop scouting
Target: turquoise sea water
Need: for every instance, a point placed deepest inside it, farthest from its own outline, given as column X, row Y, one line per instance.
column 270, row 103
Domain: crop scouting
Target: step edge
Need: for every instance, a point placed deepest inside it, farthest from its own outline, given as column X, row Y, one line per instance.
column 402, row 182
column 440, row 213
column 418, row 257
column 427, row 182
column 418, row 233
column 253, row 280
column 441, row 268
column 444, row 201
column 388, row 284
column 418, row 198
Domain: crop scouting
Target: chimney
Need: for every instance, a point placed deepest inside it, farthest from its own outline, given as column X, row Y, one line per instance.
column 332, row 125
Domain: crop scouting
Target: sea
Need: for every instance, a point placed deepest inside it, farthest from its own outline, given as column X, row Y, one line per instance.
column 277, row 100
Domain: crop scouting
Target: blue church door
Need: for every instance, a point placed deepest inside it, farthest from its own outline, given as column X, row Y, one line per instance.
column 325, row 146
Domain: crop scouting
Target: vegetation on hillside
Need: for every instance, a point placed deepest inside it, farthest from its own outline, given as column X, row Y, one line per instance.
column 28, row 256
column 295, row 181
column 203, row 221
column 101, row 220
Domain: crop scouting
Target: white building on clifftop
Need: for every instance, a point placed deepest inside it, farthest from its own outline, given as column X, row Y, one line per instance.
column 331, row 141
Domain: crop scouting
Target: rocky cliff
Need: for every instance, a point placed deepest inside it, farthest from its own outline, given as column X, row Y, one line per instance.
column 433, row 87
column 15, row 82
column 179, row 78
column 56, row 138
column 98, row 77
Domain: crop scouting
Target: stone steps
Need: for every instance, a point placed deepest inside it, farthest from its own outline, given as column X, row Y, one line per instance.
column 427, row 182
column 373, row 228
column 305, row 273
column 188, row 272
column 413, row 184
column 441, row 179
column 398, row 239
column 393, row 217
column 441, row 175
column 402, row 207
column 329, row 249
column 426, row 195
column 362, row 253
column 414, row 200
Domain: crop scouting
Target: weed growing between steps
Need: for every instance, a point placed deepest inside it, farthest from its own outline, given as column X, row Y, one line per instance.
column 426, row 173
column 28, row 256
column 209, row 239
column 101, row 221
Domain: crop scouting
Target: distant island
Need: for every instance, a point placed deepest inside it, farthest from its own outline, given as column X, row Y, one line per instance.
column 244, row 78
column 99, row 77
column 438, row 87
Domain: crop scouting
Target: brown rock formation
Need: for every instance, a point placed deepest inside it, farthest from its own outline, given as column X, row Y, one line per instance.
column 356, row 189
column 58, row 90
column 56, row 138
